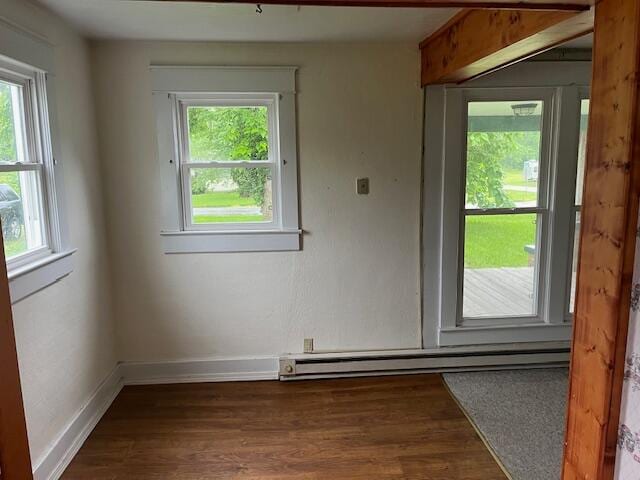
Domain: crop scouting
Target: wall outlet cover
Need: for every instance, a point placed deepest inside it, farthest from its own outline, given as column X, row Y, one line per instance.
column 308, row 345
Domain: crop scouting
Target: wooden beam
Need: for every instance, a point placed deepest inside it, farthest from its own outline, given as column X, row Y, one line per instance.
column 475, row 42
column 607, row 244
column 571, row 5
column 15, row 462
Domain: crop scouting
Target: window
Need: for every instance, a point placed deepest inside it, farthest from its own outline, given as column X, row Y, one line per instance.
column 505, row 208
column 228, row 167
column 500, row 205
column 31, row 207
column 233, row 186
column 24, row 224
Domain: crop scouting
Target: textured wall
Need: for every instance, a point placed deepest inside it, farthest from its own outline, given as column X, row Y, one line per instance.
column 64, row 333
column 628, row 458
column 355, row 285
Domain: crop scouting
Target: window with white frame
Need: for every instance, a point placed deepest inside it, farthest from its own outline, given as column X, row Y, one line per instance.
column 24, row 222
column 229, row 175
column 34, row 235
column 503, row 240
column 227, row 158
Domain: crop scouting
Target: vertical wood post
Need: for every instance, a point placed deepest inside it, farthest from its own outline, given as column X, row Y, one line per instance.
column 15, row 462
column 607, row 243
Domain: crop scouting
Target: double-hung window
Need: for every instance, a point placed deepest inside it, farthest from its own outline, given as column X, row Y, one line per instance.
column 228, row 168
column 33, row 231
column 227, row 154
column 505, row 213
column 24, row 222
column 505, row 156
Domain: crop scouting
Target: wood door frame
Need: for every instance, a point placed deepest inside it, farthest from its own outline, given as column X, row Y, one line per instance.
column 15, row 460
column 607, row 244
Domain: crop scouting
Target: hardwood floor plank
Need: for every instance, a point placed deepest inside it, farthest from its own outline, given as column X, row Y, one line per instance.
column 383, row 428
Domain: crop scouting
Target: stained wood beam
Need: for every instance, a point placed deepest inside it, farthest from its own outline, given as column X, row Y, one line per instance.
column 475, row 42
column 570, row 5
column 607, row 244
column 15, row 462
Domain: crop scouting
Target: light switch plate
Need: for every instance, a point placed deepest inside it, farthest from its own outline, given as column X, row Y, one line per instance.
column 362, row 186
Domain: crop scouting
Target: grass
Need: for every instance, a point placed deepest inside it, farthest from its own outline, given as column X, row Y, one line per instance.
column 227, row 218
column 222, row 199
column 15, row 247
column 498, row 240
column 514, row 177
column 516, row 196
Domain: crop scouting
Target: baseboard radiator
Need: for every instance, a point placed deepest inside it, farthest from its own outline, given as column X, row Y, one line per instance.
column 450, row 359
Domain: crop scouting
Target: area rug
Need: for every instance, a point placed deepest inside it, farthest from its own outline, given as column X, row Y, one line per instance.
column 520, row 414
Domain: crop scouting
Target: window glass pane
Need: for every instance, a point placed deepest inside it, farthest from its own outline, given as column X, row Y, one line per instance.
column 21, row 212
column 228, row 134
column 500, row 256
column 231, row 195
column 574, row 262
column 12, row 132
column 582, row 149
column 503, row 154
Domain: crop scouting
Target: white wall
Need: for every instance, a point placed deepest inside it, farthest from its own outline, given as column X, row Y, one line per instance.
column 355, row 284
column 65, row 335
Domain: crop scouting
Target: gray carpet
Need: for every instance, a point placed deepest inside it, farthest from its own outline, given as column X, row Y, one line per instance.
column 521, row 414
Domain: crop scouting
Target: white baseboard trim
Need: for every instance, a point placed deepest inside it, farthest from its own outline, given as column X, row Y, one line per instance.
column 193, row 371
column 53, row 463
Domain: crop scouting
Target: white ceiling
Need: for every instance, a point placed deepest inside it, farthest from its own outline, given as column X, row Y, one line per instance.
column 226, row 22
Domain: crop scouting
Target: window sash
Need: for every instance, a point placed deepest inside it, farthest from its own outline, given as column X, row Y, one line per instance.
column 185, row 175
column 28, row 113
column 546, row 96
column 220, row 100
column 31, row 109
column 44, row 250
column 182, row 103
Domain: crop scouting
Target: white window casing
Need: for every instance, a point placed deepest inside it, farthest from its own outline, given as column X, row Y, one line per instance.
column 177, row 88
column 27, row 60
column 560, row 85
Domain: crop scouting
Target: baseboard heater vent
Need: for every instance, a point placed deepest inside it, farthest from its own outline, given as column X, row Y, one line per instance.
column 450, row 359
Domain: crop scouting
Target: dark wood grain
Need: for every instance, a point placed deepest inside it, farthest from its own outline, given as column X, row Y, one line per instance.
column 15, row 462
column 382, row 428
column 607, row 243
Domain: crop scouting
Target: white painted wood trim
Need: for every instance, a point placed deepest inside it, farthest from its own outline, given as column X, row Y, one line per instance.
column 232, row 79
column 240, row 241
column 35, row 276
column 62, row 450
column 194, row 371
column 432, row 207
column 25, row 46
column 51, row 465
column 541, row 332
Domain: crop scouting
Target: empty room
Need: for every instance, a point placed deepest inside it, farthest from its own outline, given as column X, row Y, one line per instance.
column 319, row 239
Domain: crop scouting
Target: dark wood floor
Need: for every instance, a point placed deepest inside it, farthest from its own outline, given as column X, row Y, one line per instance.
column 380, row 428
